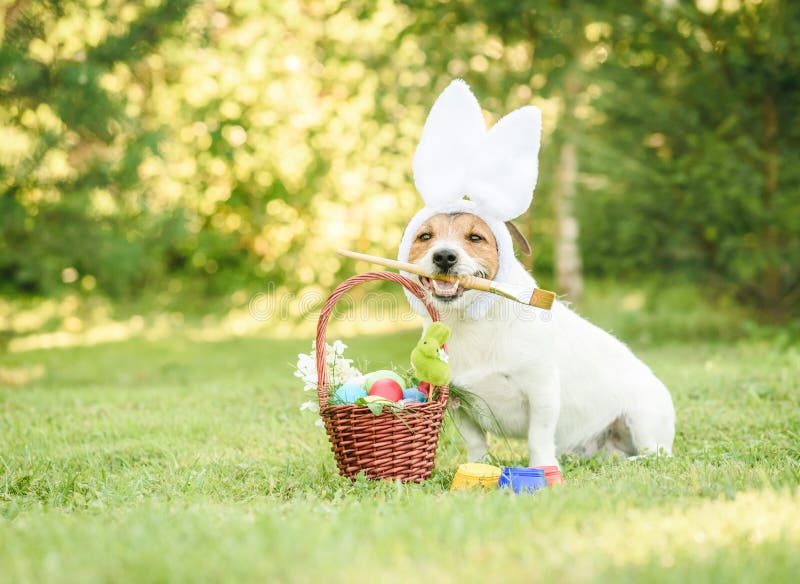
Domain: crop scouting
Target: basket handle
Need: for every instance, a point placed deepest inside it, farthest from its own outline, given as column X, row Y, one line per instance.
column 323, row 385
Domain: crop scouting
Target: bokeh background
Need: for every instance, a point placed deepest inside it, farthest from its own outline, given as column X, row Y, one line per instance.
column 173, row 157
column 175, row 177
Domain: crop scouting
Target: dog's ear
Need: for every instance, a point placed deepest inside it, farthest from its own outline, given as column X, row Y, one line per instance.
column 519, row 240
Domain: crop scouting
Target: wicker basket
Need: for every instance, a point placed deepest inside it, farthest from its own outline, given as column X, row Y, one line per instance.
column 389, row 446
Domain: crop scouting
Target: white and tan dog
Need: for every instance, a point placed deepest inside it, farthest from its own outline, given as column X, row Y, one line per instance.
column 551, row 377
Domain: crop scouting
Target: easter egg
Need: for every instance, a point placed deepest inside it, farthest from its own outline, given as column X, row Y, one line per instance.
column 412, row 393
column 387, row 388
column 349, row 393
column 425, row 388
column 382, row 374
column 377, row 399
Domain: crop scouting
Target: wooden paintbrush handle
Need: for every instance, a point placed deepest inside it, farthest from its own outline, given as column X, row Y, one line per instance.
column 472, row 282
column 467, row 281
column 397, row 265
column 539, row 298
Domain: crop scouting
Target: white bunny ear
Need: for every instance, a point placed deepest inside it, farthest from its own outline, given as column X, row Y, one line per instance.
column 503, row 172
column 453, row 131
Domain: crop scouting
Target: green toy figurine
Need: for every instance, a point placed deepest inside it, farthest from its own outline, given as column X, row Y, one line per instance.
column 428, row 359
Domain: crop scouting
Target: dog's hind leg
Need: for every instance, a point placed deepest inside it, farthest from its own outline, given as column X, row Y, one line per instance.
column 615, row 440
column 473, row 434
column 623, row 438
column 651, row 431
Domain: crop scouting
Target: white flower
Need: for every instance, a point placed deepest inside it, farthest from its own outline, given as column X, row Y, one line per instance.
column 357, row 380
column 307, row 371
column 339, row 347
column 340, row 370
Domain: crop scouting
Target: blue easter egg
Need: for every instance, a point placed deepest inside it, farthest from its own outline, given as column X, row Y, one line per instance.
column 349, row 393
column 413, row 393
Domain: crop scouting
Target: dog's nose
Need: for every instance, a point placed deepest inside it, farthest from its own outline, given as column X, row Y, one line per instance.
column 445, row 259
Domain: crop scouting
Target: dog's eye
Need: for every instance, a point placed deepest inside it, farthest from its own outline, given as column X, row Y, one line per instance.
column 475, row 238
column 424, row 236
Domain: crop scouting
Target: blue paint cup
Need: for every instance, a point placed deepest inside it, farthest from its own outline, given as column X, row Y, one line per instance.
column 522, row 479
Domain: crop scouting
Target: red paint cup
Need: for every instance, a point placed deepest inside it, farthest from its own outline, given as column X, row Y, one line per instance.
column 552, row 474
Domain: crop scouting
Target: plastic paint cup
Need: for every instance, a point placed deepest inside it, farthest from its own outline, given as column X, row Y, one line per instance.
column 522, row 479
column 552, row 474
column 475, row 475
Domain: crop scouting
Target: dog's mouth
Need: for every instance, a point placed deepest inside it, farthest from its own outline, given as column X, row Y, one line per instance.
column 441, row 289
column 444, row 290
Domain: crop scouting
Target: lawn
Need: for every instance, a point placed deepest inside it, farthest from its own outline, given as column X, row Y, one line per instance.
column 180, row 460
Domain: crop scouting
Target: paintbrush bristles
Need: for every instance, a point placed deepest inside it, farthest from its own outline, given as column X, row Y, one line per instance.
column 542, row 298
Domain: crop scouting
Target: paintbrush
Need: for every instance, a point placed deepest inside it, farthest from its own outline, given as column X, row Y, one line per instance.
column 523, row 294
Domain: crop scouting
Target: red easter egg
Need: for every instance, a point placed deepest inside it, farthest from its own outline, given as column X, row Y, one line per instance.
column 387, row 388
column 425, row 388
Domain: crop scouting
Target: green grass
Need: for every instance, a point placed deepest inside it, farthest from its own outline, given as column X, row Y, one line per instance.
column 176, row 460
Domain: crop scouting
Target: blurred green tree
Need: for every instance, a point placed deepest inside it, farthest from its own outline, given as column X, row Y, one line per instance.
column 542, row 51
column 684, row 117
column 216, row 145
column 697, row 136
column 70, row 195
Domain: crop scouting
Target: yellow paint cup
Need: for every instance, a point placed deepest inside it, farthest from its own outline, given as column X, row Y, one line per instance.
column 475, row 475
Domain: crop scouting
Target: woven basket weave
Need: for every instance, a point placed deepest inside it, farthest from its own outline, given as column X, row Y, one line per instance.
column 389, row 446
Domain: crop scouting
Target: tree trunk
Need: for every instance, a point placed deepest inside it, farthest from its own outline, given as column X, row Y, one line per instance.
column 773, row 280
column 569, row 275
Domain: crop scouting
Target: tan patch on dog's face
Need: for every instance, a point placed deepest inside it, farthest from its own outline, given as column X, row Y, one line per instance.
column 468, row 231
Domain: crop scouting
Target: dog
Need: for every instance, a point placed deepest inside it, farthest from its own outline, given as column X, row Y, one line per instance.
column 551, row 377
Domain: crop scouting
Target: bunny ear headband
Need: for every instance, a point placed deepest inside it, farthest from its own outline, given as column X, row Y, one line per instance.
column 458, row 157
column 460, row 167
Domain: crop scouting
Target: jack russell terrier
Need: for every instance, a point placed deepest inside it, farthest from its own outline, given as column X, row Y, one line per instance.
column 551, row 377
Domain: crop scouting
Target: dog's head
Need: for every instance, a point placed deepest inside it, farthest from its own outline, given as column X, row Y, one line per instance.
column 472, row 180
column 460, row 244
